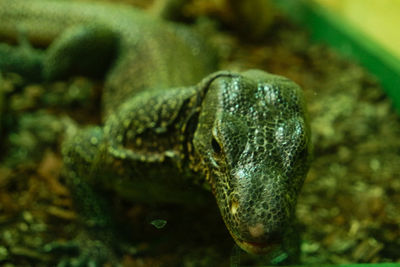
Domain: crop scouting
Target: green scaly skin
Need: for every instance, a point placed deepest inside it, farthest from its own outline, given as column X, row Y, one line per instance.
column 170, row 121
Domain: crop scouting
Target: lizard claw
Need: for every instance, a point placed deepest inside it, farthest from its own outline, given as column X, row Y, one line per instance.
column 70, row 247
column 85, row 253
column 79, row 262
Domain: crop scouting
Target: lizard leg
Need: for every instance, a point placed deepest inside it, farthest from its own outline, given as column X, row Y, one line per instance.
column 77, row 51
column 80, row 152
column 24, row 61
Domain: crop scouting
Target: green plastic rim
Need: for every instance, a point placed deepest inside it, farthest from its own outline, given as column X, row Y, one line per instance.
column 326, row 27
column 349, row 265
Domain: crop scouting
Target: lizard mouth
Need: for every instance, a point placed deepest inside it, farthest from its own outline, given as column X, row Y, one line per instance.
column 257, row 247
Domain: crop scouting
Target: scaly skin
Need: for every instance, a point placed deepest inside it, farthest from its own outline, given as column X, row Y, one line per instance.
column 244, row 135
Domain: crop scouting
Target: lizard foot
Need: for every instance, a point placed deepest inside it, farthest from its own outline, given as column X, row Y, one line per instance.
column 82, row 252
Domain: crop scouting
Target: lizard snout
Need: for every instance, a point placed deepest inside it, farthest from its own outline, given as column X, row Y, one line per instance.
column 257, row 230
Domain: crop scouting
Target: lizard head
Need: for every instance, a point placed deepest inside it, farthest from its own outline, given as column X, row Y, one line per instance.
column 254, row 143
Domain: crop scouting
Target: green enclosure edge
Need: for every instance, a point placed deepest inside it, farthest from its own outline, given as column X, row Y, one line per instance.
column 325, row 26
column 347, row 265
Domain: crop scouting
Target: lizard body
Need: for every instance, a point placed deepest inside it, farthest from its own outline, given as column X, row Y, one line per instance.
column 170, row 120
column 139, row 45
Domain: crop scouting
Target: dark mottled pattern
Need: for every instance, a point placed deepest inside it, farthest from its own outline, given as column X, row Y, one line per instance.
column 245, row 135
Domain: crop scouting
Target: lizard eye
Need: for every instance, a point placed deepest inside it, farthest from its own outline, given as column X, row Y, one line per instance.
column 215, row 146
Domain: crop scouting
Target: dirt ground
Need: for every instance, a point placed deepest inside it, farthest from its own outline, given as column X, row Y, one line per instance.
column 348, row 209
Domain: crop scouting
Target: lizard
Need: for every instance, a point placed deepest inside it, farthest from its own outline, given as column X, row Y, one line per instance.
column 170, row 120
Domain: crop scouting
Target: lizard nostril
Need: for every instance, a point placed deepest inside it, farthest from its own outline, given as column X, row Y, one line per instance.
column 234, row 206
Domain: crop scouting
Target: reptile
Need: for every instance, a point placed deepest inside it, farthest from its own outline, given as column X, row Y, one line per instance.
column 170, row 121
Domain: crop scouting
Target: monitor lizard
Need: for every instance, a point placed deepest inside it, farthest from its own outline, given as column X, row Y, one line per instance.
column 170, row 121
